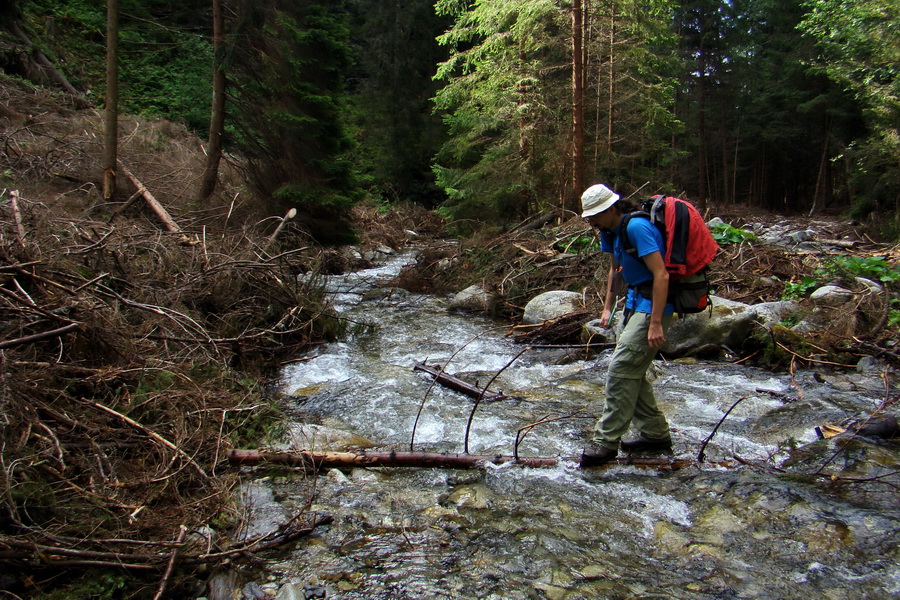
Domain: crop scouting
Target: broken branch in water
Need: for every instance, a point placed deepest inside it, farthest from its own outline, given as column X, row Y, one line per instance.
column 457, row 384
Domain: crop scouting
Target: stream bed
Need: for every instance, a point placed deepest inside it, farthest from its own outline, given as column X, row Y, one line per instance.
column 715, row 530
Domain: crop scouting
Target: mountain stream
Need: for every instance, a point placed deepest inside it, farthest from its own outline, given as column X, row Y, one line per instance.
column 714, row 530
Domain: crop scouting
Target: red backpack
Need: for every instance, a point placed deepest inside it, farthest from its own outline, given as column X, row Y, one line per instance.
column 690, row 247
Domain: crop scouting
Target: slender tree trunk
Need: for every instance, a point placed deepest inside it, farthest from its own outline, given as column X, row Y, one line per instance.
column 820, row 195
column 701, row 137
column 110, row 138
column 612, row 80
column 217, row 115
column 577, row 100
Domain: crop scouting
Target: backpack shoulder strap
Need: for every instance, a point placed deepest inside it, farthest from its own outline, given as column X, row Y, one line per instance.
column 627, row 246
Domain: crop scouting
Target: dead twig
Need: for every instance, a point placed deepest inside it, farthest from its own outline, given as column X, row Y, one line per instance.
column 150, row 434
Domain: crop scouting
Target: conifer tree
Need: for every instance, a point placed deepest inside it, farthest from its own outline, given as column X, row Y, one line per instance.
column 289, row 98
column 859, row 47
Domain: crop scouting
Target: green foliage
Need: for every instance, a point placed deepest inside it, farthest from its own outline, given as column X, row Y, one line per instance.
column 859, row 47
column 583, row 244
column 894, row 318
column 497, row 104
column 171, row 82
column 507, row 101
column 724, row 233
column 290, row 101
column 395, row 54
column 155, row 382
column 845, row 266
column 796, row 290
column 94, row 585
column 870, row 267
column 165, row 62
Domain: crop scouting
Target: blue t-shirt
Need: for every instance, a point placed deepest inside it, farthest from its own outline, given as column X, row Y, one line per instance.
column 646, row 239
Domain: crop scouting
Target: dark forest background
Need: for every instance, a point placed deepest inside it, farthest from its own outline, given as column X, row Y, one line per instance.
column 494, row 111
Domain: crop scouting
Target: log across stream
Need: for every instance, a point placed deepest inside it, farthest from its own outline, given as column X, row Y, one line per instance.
column 446, row 460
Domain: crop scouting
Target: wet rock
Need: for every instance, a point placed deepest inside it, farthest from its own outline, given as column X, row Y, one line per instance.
column 470, row 496
column 552, row 305
column 252, row 591
column 307, row 436
column 728, row 325
column 882, row 427
column 223, row 585
column 314, row 591
column 592, row 332
column 474, row 299
column 868, row 364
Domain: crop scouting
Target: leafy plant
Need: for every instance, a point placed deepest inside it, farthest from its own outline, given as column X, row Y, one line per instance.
column 796, row 290
column 894, row 318
column 870, row 267
column 583, row 244
column 724, row 233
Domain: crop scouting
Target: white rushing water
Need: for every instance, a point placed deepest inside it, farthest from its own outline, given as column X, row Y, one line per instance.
column 510, row 532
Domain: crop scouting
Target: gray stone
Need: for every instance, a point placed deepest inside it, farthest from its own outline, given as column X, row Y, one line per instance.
column 807, row 235
column 831, row 295
column 728, row 324
column 474, row 299
column 872, row 286
column 552, row 305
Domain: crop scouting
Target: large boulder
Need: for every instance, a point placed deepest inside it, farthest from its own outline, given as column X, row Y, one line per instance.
column 550, row 306
column 474, row 299
column 728, row 325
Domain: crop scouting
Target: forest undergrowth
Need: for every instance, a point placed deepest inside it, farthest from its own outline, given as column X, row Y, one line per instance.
column 132, row 358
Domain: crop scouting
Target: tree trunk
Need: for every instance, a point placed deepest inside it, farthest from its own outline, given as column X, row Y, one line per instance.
column 110, row 138
column 612, row 82
column 343, row 460
column 217, row 115
column 577, row 102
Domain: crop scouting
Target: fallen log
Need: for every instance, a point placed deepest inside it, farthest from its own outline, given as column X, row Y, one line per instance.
column 154, row 204
column 343, row 460
column 457, row 384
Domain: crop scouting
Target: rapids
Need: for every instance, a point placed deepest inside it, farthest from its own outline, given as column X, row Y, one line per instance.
column 509, row 532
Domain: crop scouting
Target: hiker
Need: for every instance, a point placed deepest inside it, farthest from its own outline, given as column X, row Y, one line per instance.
column 629, row 395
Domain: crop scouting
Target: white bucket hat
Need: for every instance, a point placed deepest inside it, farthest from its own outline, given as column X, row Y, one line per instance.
column 596, row 199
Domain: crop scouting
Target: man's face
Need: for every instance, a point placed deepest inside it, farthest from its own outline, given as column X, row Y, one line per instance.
column 603, row 221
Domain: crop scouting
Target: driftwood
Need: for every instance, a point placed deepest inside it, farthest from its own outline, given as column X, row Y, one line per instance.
column 457, row 384
column 342, row 460
column 57, row 555
column 158, row 208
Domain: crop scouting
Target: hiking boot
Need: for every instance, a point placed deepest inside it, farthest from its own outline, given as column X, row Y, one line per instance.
column 596, row 454
column 645, row 445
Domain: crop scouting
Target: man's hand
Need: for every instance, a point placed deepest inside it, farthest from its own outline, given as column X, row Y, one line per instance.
column 655, row 336
column 606, row 318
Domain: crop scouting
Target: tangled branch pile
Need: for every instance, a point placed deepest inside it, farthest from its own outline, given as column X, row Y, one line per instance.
column 131, row 359
column 119, row 393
